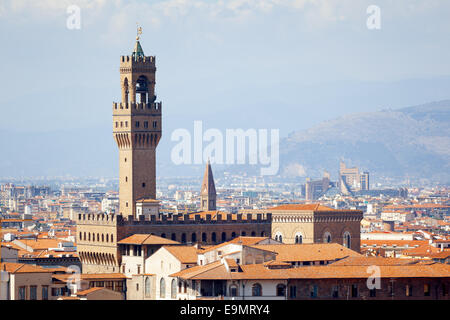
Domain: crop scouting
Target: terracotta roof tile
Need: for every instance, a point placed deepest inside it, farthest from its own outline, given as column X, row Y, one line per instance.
column 146, row 239
column 308, row 252
column 185, row 254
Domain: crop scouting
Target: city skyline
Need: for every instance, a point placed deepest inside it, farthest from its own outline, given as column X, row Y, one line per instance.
column 320, row 62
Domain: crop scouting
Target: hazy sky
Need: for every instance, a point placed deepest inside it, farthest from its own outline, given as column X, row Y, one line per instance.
column 238, row 63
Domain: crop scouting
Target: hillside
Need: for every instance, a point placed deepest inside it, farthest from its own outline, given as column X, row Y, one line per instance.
column 409, row 142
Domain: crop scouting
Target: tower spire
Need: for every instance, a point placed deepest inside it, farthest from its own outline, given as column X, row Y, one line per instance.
column 208, row 191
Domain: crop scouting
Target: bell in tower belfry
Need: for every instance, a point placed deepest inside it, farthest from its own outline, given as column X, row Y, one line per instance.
column 208, row 191
column 137, row 129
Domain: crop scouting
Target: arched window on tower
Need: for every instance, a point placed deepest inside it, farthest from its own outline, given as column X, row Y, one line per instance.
column 126, row 91
column 142, row 89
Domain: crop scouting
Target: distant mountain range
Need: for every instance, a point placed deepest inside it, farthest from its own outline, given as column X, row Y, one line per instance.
column 412, row 142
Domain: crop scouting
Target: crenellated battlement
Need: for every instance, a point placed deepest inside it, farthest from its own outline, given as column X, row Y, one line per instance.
column 171, row 219
column 137, row 107
column 130, row 60
column 97, row 218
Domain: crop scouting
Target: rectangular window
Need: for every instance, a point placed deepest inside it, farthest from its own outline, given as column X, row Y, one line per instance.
column 293, row 292
column 373, row 293
column 119, row 286
column 33, row 293
column 126, row 124
column 335, row 292
column 391, row 290
column 354, row 290
column 313, row 291
column 426, row 290
column 137, row 124
column 408, row 290
column 155, row 124
column 44, row 292
column 145, row 124
column 22, row 293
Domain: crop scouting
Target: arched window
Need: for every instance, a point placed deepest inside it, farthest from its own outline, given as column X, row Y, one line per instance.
column 89, row 236
column 112, row 238
column 147, row 287
column 327, row 237
column 279, row 237
column 107, row 237
column 103, row 237
column 253, row 234
column 243, row 233
column 347, row 239
column 213, row 237
column 257, row 290
column 281, row 290
column 142, row 89
column 204, row 237
column 125, row 91
column 174, row 236
column 173, row 289
column 183, row 238
column 194, row 237
column 162, row 288
column 224, row 236
column 233, row 235
column 233, row 290
column 163, row 235
column 298, row 238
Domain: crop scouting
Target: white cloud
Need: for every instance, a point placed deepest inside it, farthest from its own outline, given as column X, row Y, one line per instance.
column 311, row 13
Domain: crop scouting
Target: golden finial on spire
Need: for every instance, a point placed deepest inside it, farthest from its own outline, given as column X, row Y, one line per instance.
column 139, row 31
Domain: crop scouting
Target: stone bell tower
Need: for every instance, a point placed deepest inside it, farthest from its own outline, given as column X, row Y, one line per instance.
column 208, row 191
column 137, row 129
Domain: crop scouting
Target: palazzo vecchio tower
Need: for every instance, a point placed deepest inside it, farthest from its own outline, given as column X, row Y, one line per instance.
column 137, row 129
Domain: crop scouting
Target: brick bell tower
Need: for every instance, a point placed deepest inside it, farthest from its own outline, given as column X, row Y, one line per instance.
column 137, row 129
